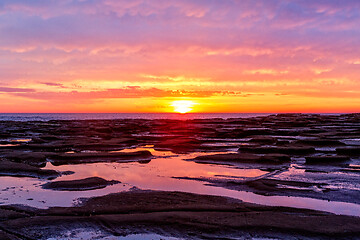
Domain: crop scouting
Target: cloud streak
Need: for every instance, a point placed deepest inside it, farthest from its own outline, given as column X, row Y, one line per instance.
column 16, row 90
column 129, row 92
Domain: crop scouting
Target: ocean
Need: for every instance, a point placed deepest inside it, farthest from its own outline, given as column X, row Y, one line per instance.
column 23, row 117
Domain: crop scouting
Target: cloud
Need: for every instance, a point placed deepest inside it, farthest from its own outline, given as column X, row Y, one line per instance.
column 51, row 84
column 128, row 92
column 266, row 72
column 16, row 90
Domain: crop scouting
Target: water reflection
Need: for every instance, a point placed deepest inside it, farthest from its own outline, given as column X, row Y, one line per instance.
column 156, row 175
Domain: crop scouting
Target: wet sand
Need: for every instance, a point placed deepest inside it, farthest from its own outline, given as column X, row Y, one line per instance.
column 108, row 162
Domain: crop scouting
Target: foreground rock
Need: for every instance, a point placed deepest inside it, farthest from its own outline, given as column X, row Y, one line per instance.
column 79, row 185
column 178, row 145
column 37, row 159
column 186, row 215
column 326, row 159
column 93, row 157
column 8, row 168
column 350, row 151
column 244, row 158
column 294, row 150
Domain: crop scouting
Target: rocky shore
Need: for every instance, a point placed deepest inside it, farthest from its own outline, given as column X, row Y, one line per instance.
column 182, row 215
column 302, row 155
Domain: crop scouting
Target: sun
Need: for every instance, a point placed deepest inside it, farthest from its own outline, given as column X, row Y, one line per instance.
column 182, row 106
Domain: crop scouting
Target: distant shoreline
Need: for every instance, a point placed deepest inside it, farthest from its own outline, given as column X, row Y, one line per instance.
column 24, row 117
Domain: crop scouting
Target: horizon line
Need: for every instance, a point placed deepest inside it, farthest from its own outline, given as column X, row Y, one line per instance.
column 175, row 113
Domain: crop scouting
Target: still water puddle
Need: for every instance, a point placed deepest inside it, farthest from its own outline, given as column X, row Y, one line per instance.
column 158, row 174
column 21, row 140
column 9, row 145
column 13, row 142
column 86, row 234
column 28, row 191
column 353, row 141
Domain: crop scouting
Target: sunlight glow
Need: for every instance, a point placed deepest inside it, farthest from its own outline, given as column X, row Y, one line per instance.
column 182, row 106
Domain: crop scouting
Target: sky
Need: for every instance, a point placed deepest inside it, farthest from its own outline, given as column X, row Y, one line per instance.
column 142, row 55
